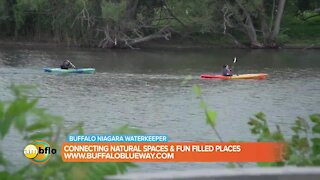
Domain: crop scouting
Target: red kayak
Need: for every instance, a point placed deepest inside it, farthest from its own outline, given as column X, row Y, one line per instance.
column 240, row 76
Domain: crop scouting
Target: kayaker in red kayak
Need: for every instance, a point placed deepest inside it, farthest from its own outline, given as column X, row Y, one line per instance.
column 227, row 71
column 67, row 64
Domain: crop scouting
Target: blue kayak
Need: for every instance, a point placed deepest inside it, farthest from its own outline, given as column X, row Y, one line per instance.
column 80, row 70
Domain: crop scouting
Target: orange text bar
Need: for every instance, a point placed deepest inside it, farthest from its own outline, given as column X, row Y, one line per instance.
column 172, row 152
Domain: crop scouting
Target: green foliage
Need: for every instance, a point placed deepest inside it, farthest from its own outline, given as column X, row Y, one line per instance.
column 23, row 114
column 197, row 91
column 296, row 30
column 211, row 116
column 260, row 128
column 196, row 15
column 302, row 149
column 283, row 38
column 186, row 79
column 113, row 10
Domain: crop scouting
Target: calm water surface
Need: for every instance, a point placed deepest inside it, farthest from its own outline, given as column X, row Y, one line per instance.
column 143, row 89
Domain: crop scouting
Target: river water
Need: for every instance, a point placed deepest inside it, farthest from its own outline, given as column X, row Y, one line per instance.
column 143, row 88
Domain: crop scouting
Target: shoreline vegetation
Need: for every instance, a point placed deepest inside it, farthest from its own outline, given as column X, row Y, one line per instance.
column 149, row 45
column 138, row 24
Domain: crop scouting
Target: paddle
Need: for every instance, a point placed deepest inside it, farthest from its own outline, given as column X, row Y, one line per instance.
column 234, row 62
column 73, row 66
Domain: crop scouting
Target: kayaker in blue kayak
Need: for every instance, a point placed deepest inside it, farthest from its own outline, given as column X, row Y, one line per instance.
column 227, row 71
column 67, row 65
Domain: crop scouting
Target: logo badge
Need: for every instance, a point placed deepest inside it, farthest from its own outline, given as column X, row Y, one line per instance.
column 39, row 151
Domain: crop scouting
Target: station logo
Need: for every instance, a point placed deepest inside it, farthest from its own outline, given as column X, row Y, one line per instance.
column 39, row 151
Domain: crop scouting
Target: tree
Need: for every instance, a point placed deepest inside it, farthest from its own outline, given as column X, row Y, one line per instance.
column 250, row 17
column 129, row 22
column 8, row 16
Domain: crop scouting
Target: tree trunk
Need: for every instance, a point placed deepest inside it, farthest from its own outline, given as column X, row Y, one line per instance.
column 251, row 33
column 277, row 22
column 11, row 23
column 249, row 27
column 146, row 38
column 127, row 32
column 266, row 32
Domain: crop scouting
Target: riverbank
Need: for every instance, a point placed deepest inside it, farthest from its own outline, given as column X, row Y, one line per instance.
column 157, row 44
